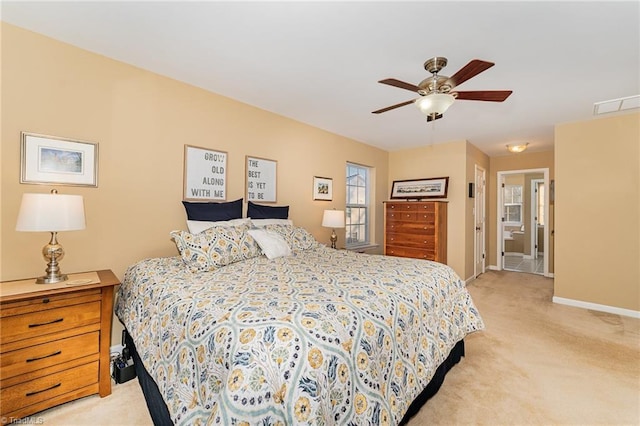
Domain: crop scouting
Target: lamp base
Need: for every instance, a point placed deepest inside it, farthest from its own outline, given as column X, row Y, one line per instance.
column 51, row 279
column 333, row 239
column 53, row 252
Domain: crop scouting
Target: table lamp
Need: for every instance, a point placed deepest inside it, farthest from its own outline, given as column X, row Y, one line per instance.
column 51, row 213
column 333, row 219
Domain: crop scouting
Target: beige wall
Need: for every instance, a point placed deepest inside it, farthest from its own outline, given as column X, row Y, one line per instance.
column 522, row 161
column 438, row 161
column 598, row 211
column 141, row 122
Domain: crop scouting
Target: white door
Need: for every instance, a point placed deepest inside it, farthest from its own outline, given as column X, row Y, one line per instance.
column 479, row 219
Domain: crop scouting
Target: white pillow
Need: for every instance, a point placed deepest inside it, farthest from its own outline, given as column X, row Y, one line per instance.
column 197, row 226
column 271, row 243
column 259, row 223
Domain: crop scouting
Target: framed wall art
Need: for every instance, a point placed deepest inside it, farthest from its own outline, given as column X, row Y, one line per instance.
column 52, row 160
column 205, row 174
column 261, row 175
column 322, row 188
column 420, row 188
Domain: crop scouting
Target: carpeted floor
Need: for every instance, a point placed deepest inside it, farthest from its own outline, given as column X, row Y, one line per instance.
column 537, row 363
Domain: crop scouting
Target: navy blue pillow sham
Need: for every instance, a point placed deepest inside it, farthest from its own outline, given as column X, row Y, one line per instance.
column 260, row 211
column 213, row 211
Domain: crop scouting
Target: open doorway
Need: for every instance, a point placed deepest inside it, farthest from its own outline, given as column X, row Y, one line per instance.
column 523, row 231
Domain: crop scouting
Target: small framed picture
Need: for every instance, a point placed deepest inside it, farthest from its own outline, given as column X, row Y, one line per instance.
column 322, row 188
column 420, row 188
column 52, row 160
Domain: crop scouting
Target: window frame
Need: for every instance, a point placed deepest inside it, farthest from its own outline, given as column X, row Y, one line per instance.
column 366, row 206
column 506, row 205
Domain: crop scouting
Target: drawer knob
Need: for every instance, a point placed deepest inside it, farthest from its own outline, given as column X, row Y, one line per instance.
column 46, row 323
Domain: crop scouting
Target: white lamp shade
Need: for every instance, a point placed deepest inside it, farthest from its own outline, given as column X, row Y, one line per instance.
column 333, row 219
column 51, row 213
column 435, row 103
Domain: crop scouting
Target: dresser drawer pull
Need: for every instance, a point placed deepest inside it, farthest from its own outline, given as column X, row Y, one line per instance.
column 44, row 390
column 43, row 357
column 46, row 323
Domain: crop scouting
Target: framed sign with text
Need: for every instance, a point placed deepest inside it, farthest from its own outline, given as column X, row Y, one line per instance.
column 205, row 174
column 261, row 175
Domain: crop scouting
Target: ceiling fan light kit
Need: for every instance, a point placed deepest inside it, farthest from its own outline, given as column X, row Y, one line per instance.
column 435, row 103
column 517, row 148
column 437, row 93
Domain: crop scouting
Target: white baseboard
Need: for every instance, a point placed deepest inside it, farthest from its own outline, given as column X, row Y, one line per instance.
column 596, row 307
column 494, row 268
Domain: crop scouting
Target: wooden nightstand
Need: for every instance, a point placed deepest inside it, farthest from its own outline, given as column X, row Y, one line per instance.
column 54, row 342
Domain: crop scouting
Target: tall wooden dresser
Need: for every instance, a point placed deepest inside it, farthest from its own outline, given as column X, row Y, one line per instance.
column 55, row 342
column 416, row 229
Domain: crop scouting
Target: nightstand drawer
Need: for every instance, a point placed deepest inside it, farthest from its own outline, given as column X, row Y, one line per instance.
column 49, row 354
column 34, row 391
column 34, row 324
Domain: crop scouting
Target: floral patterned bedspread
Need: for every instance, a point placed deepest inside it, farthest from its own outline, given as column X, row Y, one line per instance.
column 321, row 337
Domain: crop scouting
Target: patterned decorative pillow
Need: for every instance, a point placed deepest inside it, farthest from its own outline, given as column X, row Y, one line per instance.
column 296, row 237
column 215, row 247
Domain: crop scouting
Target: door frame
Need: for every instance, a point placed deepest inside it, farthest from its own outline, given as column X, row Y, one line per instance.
column 500, row 209
column 480, row 194
column 534, row 215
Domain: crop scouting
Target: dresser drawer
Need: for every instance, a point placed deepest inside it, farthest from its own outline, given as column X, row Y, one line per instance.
column 402, row 215
column 416, row 253
column 47, row 321
column 412, row 240
column 34, row 391
column 48, row 354
column 410, row 228
column 411, row 207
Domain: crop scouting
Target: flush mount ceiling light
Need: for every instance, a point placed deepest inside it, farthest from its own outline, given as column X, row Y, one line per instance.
column 517, row 148
column 615, row 105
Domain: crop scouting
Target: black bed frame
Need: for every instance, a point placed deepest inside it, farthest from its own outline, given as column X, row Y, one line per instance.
column 161, row 417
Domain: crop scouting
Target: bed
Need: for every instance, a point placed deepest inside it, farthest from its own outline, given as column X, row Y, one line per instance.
column 226, row 334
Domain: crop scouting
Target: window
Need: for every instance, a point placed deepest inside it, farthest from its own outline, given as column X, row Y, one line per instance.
column 513, row 204
column 357, row 206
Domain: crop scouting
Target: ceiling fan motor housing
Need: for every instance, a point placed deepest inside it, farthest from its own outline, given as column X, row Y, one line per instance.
column 435, row 84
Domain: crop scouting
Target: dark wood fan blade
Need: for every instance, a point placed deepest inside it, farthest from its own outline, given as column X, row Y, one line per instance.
column 485, row 95
column 392, row 107
column 470, row 70
column 400, row 84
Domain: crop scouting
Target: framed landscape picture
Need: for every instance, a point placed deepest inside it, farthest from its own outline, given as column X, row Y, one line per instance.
column 420, row 188
column 52, row 160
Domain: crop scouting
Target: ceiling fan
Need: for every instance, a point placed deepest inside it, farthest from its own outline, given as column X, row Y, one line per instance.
column 437, row 92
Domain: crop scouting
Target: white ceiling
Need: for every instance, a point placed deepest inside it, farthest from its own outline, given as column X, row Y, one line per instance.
column 319, row 62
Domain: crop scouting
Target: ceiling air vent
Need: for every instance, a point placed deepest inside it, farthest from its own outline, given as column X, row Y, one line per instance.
column 615, row 105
